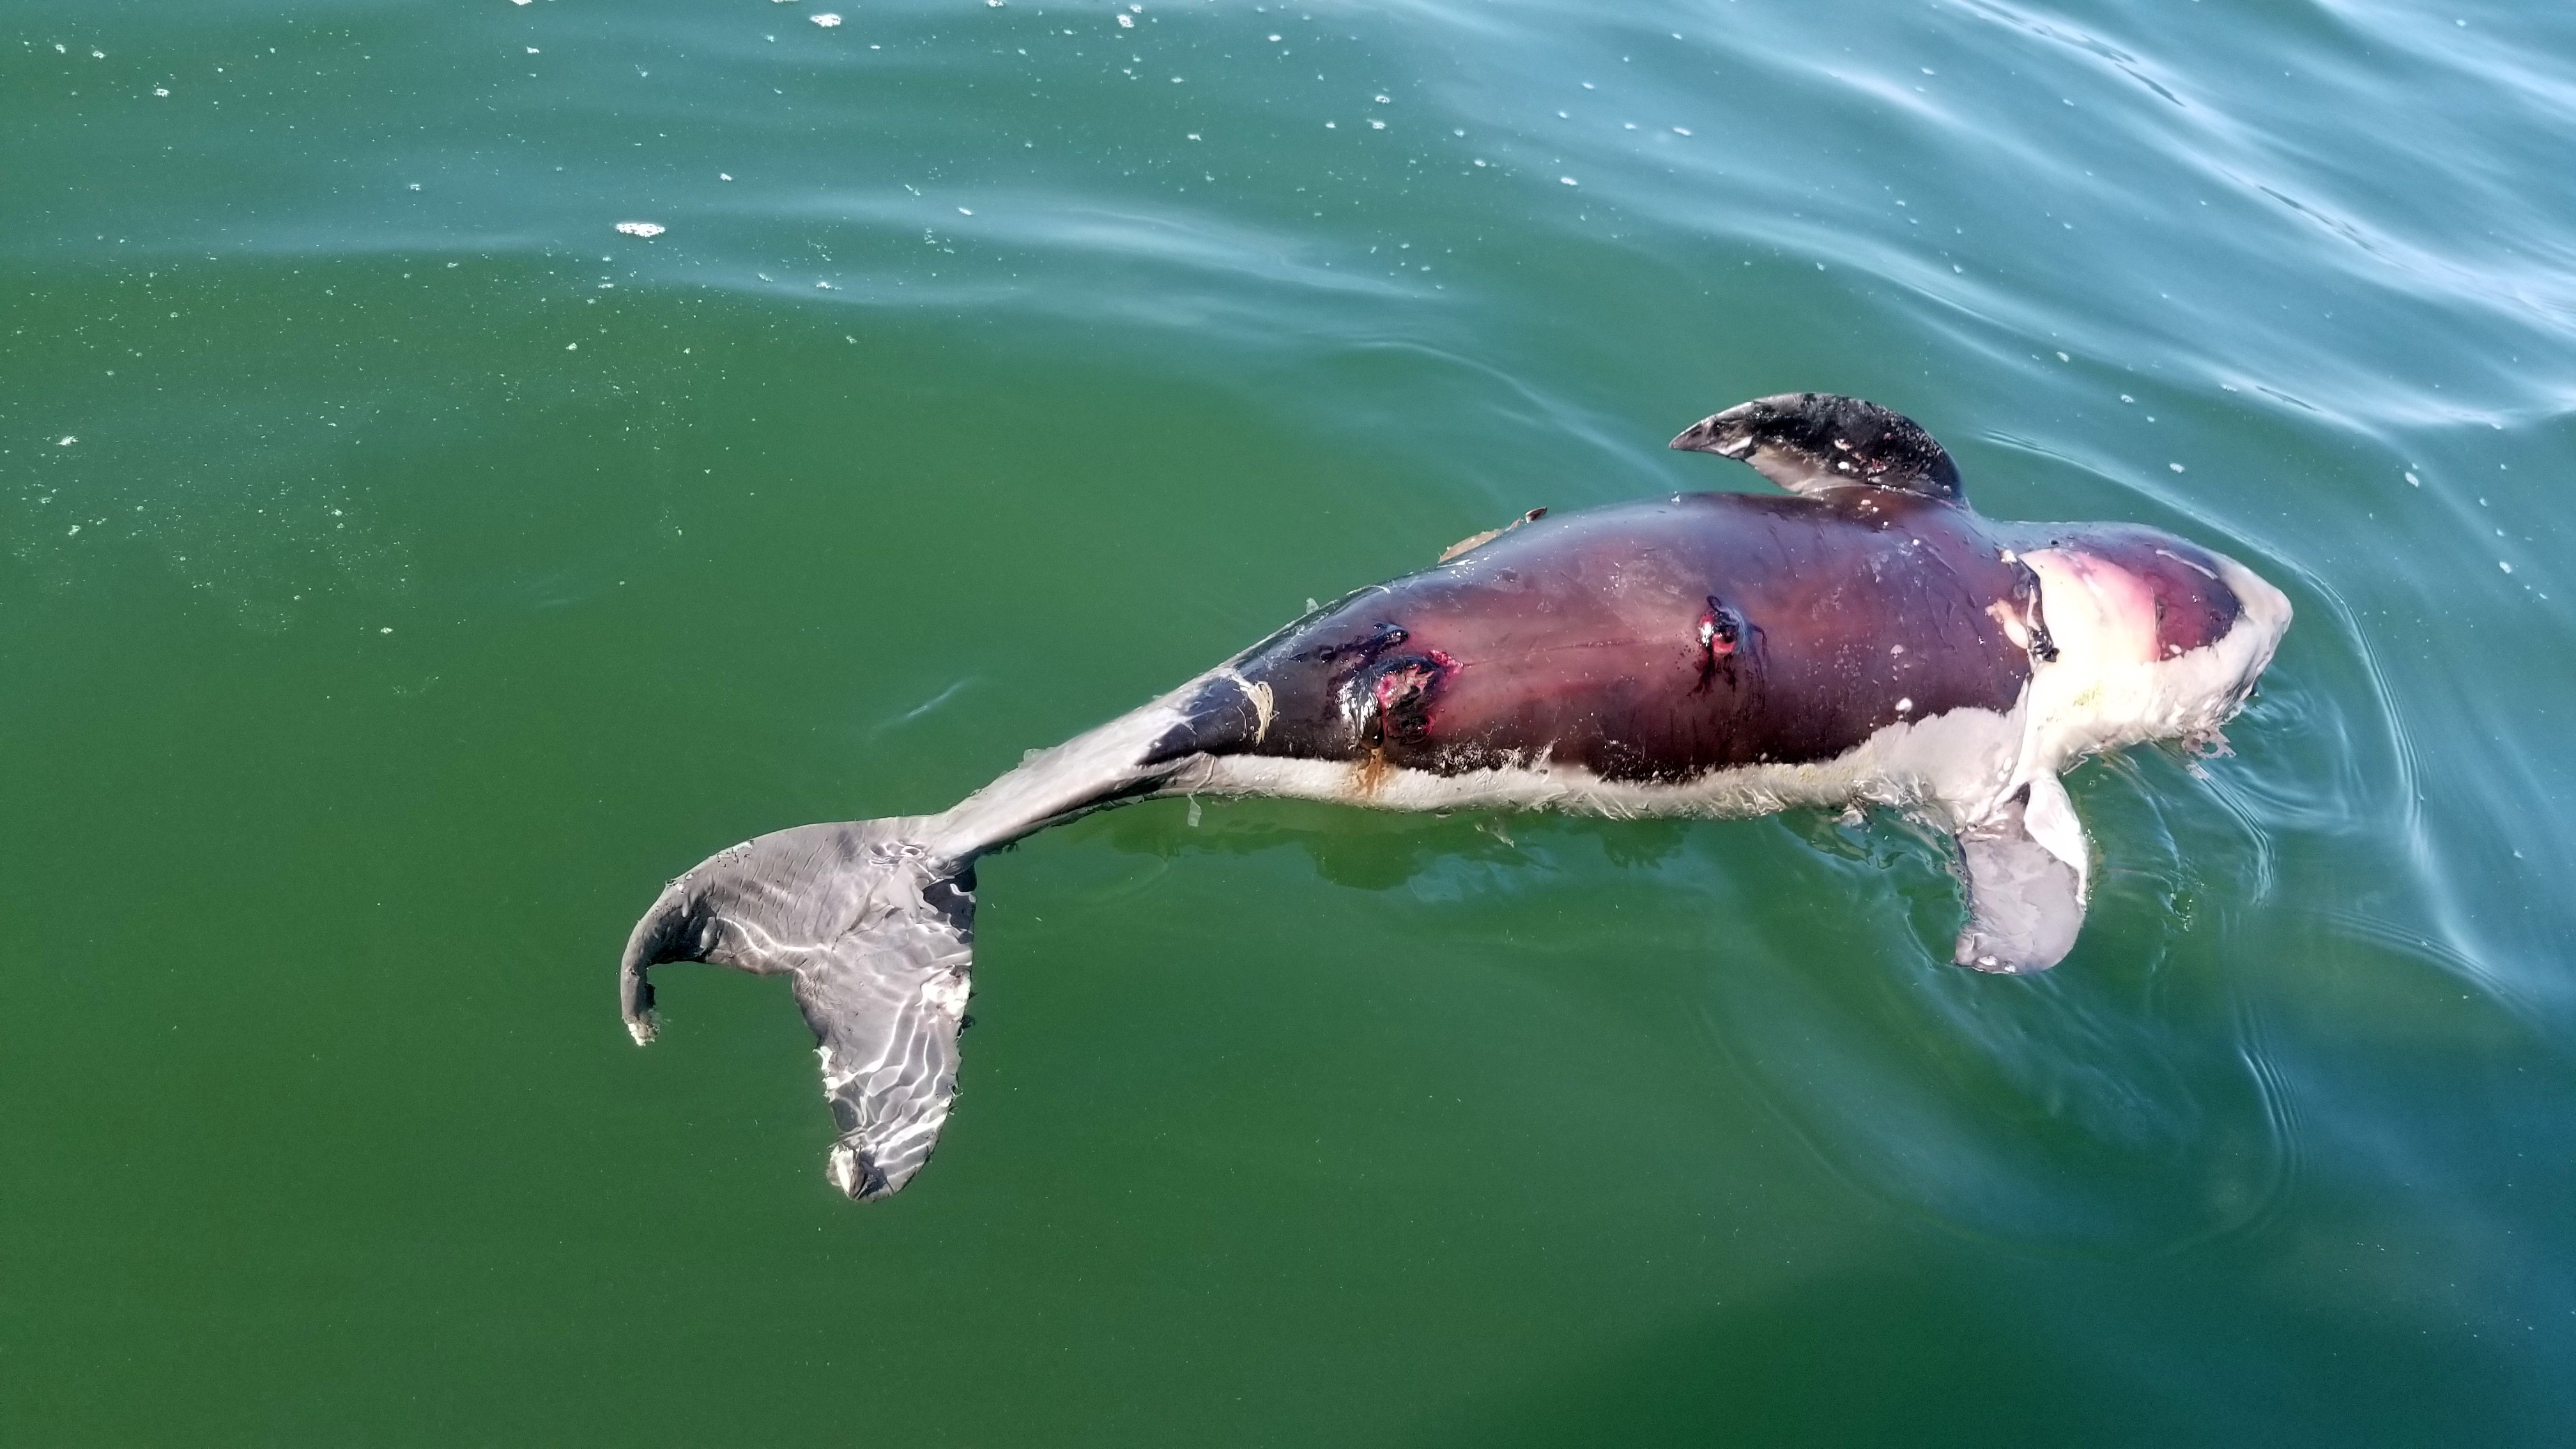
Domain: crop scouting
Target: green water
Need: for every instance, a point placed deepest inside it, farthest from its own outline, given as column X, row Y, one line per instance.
column 405, row 572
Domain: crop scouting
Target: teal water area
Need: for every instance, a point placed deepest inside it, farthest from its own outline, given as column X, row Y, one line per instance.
column 405, row 572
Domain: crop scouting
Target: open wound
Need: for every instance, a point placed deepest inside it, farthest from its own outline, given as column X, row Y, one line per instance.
column 1399, row 695
column 1721, row 638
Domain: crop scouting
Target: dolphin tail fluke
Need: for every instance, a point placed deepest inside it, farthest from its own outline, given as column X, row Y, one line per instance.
column 2026, row 870
column 877, row 936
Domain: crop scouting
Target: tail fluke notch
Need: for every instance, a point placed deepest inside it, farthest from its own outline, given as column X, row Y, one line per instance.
column 878, row 939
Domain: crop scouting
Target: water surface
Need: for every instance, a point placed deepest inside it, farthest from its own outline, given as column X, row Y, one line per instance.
column 405, row 571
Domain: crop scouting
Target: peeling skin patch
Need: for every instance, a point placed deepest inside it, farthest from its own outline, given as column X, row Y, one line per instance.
column 1263, row 708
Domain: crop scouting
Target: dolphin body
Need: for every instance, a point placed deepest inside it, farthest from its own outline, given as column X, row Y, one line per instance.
column 1868, row 640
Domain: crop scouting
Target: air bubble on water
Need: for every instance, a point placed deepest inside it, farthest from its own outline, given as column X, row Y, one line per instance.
column 2177, row 467
column 1126, row 22
column 2124, row 397
column 67, row 441
column 415, row 186
column 646, row 229
column 827, row 20
column 1570, row 181
column 1381, row 100
column 160, row 90
column 1377, row 125
column 720, row 176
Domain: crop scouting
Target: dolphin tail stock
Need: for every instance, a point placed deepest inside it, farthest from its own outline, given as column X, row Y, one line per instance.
column 877, row 934
column 874, row 920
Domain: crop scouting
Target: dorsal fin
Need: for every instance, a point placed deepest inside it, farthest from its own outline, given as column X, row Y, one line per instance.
column 1808, row 442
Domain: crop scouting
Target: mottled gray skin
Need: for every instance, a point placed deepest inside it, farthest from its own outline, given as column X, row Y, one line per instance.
column 1645, row 657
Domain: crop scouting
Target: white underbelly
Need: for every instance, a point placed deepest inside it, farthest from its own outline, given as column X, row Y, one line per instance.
column 1953, row 768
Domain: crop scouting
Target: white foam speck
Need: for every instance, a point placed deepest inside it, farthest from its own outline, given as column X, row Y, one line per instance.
column 2500, row 563
column 2177, row 467
column 646, row 229
column 1570, row 181
column 720, row 176
column 1377, row 125
column 1681, row 130
column 67, row 441
column 384, row 631
column 1127, row 22
column 2414, row 481
column 826, row 20
column 961, row 211
column 160, row 90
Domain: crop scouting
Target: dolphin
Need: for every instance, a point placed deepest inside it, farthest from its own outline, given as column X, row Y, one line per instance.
column 1866, row 640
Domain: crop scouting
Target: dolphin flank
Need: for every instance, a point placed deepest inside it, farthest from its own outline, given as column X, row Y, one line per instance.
column 1868, row 640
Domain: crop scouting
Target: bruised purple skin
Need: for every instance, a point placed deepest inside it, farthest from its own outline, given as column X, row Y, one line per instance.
column 1660, row 641
column 1869, row 641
